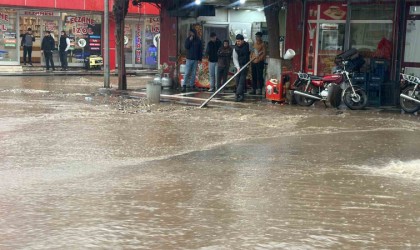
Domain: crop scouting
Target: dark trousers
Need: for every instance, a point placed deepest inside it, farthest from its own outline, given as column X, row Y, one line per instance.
column 49, row 58
column 63, row 59
column 257, row 75
column 241, row 82
column 222, row 73
column 27, row 51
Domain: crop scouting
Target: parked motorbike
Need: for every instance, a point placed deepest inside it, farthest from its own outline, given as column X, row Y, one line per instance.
column 410, row 94
column 310, row 88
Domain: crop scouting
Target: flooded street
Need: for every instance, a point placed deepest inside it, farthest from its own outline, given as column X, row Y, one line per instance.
column 116, row 173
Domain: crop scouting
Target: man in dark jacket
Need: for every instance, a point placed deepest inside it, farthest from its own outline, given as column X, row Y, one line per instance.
column 212, row 48
column 241, row 56
column 63, row 47
column 194, row 49
column 223, row 63
column 47, row 47
column 27, row 41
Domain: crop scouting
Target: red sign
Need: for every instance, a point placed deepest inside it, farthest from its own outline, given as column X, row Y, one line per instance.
column 83, row 31
column 333, row 12
column 3, row 27
column 4, row 17
column 82, row 19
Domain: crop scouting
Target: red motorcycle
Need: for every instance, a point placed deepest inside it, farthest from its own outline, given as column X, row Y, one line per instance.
column 310, row 88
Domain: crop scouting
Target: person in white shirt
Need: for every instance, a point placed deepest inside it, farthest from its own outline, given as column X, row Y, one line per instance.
column 63, row 47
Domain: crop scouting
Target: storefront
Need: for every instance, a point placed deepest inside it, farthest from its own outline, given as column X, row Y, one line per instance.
column 141, row 42
column 368, row 26
column 330, row 31
column 226, row 23
column 9, row 44
column 82, row 21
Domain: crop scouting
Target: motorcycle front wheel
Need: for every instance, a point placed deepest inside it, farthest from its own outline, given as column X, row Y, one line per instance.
column 357, row 100
column 302, row 100
column 408, row 105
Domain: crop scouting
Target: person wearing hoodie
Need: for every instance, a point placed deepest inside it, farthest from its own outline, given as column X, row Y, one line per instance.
column 223, row 63
column 212, row 48
column 194, row 49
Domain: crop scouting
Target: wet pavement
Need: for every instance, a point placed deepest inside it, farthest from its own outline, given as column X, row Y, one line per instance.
column 83, row 170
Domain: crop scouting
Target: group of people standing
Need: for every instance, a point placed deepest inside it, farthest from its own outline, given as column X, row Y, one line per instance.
column 47, row 48
column 219, row 57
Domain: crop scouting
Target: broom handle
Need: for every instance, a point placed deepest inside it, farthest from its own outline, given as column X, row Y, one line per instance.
column 224, row 85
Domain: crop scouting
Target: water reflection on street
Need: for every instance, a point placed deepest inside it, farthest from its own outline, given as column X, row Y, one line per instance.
column 118, row 173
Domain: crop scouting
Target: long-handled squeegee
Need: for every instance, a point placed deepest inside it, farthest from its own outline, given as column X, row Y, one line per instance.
column 224, row 85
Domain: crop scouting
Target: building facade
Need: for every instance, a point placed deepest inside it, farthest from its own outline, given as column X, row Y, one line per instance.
column 82, row 20
column 384, row 32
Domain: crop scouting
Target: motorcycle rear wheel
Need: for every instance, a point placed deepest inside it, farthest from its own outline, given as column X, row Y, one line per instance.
column 334, row 95
column 302, row 100
column 357, row 100
column 408, row 105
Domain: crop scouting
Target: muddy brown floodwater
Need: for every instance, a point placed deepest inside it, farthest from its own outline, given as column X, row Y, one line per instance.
column 112, row 172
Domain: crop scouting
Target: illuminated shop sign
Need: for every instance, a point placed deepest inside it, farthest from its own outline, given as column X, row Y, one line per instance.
column 4, row 17
column 4, row 20
column 81, row 25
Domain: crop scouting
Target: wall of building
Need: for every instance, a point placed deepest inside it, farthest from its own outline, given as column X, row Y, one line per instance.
column 89, row 5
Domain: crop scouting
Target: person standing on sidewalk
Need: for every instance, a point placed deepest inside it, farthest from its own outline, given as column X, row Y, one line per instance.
column 257, row 65
column 223, row 63
column 194, row 49
column 47, row 47
column 63, row 47
column 212, row 48
column 27, row 41
column 241, row 56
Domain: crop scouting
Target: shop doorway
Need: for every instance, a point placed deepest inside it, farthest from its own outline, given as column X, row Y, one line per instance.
column 133, row 44
column 40, row 24
column 52, row 25
column 411, row 56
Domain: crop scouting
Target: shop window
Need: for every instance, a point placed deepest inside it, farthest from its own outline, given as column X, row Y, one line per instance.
column 370, row 12
column 331, row 43
column 371, row 31
column 85, row 33
column 366, row 36
column 152, row 30
column 9, row 42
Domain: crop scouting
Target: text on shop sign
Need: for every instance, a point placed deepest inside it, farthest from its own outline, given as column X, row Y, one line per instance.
column 39, row 13
column 82, row 19
column 4, row 17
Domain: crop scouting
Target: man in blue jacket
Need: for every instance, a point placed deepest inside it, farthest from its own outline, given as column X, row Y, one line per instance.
column 194, row 49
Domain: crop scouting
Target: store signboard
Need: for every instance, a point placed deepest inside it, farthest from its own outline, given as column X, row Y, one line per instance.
column 39, row 13
column 333, row 12
column 4, row 20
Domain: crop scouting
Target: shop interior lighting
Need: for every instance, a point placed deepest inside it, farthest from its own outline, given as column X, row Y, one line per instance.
column 242, row 1
column 197, row 2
